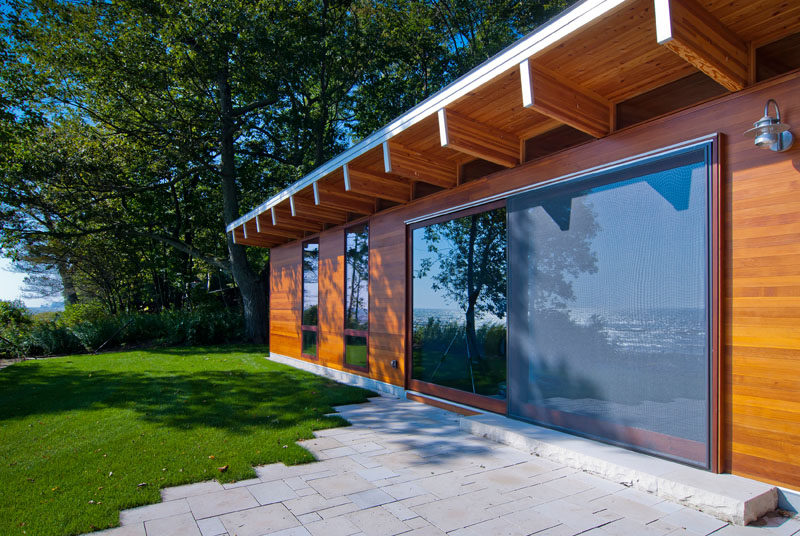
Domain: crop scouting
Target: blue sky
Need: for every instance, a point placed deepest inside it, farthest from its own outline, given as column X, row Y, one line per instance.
column 11, row 283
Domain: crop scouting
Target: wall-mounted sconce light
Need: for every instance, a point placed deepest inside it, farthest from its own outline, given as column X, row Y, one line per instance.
column 770, row 132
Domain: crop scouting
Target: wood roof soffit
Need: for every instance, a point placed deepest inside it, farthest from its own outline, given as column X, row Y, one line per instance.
column 376, row 184
column 333, row 195
column 245, row 236
column 480, row 140
column 399, row 160
column 557, row 97
column 307, row 209
column 694, row 34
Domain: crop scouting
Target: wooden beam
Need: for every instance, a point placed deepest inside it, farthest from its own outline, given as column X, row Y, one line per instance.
column 691, row 32
column 552, row 95
column 245, row 236
column 376, row 184
column 399, row 160
column 266, row 227
column 262, row 242
column 286, row 220
column 476, row 139
column 336, row 198
column 306, row 208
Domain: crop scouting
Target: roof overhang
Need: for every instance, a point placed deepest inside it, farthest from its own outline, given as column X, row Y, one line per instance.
column 571, row 71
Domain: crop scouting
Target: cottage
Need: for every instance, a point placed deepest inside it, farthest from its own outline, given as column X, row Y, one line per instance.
column 578, row 233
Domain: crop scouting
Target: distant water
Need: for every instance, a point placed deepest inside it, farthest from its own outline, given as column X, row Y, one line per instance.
column 447, row 316
column 652, row 330
column 663, row 330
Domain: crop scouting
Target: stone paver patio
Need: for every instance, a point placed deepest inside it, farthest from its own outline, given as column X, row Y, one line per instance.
column 406, row 468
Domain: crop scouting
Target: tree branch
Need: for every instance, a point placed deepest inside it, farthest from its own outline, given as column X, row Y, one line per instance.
column 241, row 110
column 189, row 250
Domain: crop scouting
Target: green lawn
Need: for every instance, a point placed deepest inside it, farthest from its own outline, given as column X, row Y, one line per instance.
column 79, row 435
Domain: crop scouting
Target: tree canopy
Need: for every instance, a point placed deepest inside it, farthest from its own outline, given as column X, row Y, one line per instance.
column 131, row 132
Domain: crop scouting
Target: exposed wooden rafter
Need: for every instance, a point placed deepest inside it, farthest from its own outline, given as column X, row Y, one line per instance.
column 268, row 238
column 285, row 218
column 404, row 162
column 265, row 226
column 553, row 95
column 246, row 236
column 307, row 209
column 691, row 32
column 376, row 184
column 329, row 196
column 477, row 139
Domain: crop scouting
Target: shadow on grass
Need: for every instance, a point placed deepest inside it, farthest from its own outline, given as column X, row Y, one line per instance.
column 204, row 350
column 235, row 401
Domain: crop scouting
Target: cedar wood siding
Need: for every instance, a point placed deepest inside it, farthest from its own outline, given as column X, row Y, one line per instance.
column 760, row 271
column 285, row 309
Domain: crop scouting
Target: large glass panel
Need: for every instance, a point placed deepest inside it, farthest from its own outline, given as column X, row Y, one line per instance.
column 356, row 306
column 608, row 314
column 459, row 303
column 310, row 297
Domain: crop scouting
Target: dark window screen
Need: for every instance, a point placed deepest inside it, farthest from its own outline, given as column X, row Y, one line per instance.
column 608, row 306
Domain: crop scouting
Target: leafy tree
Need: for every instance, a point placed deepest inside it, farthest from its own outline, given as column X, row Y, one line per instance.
column 137, row 126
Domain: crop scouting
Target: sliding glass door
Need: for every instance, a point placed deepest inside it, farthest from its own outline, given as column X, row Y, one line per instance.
column 458, row 347
column 609, row 306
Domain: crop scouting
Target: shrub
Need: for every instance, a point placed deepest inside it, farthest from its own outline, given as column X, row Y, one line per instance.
column 92, row 334
column 48, row 338
column 15, row 325
column 201, row 327
column 79, row 313
column 87, row 327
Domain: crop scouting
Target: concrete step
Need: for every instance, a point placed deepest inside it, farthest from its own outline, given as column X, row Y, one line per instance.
column 730, row 498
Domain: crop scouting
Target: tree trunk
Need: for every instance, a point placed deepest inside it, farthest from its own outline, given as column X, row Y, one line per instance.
column 70, row 294
column 252, row 290
column 472, row 292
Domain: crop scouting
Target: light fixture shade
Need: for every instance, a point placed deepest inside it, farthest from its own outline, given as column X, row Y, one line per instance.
column 770, row 132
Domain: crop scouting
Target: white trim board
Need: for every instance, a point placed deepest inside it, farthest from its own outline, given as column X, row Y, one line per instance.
column 341, row 376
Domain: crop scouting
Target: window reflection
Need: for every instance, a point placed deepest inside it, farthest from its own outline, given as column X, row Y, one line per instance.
column 310, row 297
column 608, row 316
column 459, row 303
column 356, row 307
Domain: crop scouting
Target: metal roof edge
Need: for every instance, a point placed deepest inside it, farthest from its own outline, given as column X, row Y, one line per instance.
column 563, row 25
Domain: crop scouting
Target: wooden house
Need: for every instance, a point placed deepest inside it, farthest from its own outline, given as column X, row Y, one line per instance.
column 578, row 233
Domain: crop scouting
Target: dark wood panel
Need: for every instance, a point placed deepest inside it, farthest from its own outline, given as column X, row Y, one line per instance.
column 685, row 92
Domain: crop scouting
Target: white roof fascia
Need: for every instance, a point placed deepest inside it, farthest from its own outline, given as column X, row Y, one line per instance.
column 568, row 22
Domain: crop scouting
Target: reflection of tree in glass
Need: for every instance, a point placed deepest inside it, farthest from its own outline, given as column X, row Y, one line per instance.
column 310, row 316
column 561, row 256
column 471, row 272
column 357, row 255
column 310, row 283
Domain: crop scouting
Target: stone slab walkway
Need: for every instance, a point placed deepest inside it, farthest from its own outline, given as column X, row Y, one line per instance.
column 406, row 468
